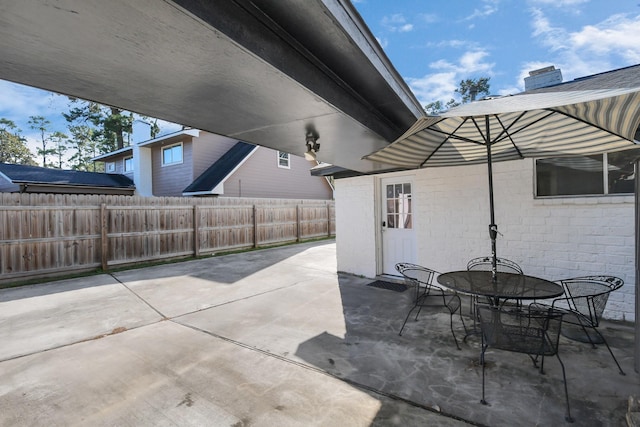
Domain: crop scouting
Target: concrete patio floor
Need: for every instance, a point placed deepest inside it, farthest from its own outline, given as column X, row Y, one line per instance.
column 275, row 338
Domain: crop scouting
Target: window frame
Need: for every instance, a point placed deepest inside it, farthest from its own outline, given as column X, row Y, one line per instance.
column 171, row 147
column 279, row 158
column 110, row 167
column 605, row 181
column 124, row 164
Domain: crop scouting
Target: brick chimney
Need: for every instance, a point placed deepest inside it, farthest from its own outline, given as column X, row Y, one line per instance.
column 543, row 77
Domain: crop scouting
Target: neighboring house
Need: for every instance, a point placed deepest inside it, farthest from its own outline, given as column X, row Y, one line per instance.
column 191, row 162
column 557, row 218
column 36, row 179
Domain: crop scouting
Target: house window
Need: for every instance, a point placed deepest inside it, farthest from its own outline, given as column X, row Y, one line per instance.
column 172, row 154
column 128, row 164
column 110, row 167
column 582, row 176
column 283, row 160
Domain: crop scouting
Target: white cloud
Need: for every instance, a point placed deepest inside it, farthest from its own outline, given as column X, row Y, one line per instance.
column 617, row 35
column 433, row 87
column 397, row 22
column 559, row 3
column 441, row 84
column 489, row 8
column 590, row 49
column 18, row 102
column 428, row 18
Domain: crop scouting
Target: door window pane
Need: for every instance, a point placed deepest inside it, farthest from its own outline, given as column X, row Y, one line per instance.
column 399, row 206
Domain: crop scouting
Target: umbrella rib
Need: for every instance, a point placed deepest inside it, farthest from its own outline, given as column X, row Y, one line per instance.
column 586, row 122
column 505, row 130
column 449, row 136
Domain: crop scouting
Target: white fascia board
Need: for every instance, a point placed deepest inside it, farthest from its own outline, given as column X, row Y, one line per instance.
column 186, row 132
column 216, row 191
column 353, row 24
column 112, row 153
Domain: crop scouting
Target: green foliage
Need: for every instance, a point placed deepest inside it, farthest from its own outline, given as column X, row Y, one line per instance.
column 84, row 142
column 93, row 129
column 60, row 142
column 13, row 147
column 437, row 106
column 469, row 90
column 41, row 124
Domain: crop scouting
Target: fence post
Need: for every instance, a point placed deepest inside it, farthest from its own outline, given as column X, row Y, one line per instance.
column 104, row 238
column 298, row 223
column 196, row 231
column 255, row 226
column 328, row 220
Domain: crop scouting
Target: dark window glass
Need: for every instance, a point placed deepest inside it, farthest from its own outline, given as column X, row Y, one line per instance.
column 621, row 171
column 576, row 176
column 565, row 176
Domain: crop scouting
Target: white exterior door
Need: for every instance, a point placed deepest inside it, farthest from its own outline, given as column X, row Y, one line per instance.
column 398, row 233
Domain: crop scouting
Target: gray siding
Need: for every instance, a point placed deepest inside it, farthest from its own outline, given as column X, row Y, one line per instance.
column 208, row 148
column 260, row 176
column 172, row 179
column 119, row 161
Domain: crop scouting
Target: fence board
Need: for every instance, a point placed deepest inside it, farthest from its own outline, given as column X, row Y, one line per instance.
column 46, row 234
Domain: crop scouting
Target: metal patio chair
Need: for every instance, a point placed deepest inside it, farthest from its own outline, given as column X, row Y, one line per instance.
column 485, row 264
column 429, row 294
column 533, row 332
column 583, row 303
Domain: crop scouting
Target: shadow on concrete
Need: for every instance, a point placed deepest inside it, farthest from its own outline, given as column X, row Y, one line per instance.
column 55, row 287
column 424, row 369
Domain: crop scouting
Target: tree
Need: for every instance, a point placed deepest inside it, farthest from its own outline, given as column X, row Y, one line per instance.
column 437, row 106
column 13, row 147
column 60, row 140
column 113, row 126
column 83, row 140
column 41, row 124
column 468, row 89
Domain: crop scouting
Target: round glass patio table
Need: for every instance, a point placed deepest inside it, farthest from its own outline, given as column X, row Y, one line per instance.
column 504, row 286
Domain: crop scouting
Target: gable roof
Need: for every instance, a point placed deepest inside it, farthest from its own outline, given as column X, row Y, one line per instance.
column 26, row 175
column 220, row 170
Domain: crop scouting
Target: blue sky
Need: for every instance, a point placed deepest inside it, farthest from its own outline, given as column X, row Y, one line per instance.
column 435, row 44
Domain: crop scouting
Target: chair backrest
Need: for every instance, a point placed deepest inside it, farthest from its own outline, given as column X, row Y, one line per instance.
column 589, row 295
column 485, row 264
column 415, row 273
column 535, row 332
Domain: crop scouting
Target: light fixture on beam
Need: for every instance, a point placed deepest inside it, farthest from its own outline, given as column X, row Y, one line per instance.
column 312, row 146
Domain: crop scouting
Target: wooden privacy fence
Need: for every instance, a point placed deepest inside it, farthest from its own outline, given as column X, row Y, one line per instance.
column 46, row 235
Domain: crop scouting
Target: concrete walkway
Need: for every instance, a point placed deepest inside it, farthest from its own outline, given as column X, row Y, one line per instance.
column 273, row 338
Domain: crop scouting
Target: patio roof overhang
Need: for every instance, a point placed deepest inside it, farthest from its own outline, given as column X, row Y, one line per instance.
column 260, row 71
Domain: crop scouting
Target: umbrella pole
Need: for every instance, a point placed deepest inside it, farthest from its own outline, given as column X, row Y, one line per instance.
column 493, row 228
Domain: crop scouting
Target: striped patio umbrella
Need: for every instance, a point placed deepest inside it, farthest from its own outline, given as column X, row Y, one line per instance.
column 552, row 124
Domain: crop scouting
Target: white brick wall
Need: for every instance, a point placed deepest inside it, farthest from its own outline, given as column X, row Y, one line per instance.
column 550, row 238
column 355, row 226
